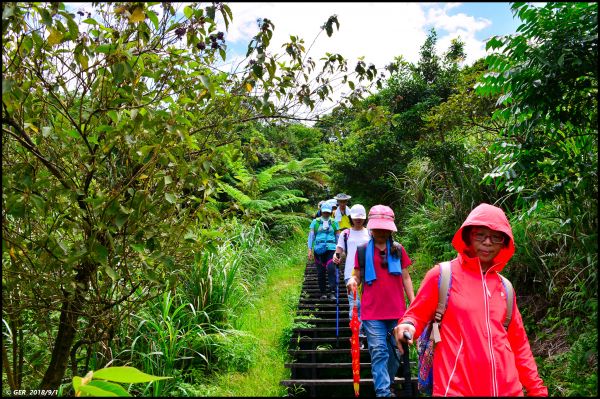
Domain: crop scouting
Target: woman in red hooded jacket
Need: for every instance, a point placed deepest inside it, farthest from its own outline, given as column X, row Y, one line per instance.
column 476, row 356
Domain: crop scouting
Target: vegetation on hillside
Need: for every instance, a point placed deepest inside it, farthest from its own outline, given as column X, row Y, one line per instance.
column 146, row 191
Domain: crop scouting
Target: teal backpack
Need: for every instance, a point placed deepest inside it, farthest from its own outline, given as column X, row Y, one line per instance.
column 320, row 244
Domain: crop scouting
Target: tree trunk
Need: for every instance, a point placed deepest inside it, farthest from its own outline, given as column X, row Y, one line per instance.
column 67, row 329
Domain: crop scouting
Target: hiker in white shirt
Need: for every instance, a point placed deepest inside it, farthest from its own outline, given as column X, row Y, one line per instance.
column 345, row 252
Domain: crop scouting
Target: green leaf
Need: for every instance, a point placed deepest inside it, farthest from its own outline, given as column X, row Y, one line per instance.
column 114, row 116
column 170, row 198
column 46, row 17
column 83, row 61
column 153, row 18
column 118, row 71
column 8, row 11
column 90, row 21
column 188, row 12
column 129, row 375
column 207, row 83
column 120, row 220
column 210, row 12
column 111, row 273
column 73, row 29
column 7, row 85
column 110, row 387
column 55, row 37
column 100, row 254
column 138, row 247
column 95, row 391
column 27, row 43
column 77, row 383
column 104, row 48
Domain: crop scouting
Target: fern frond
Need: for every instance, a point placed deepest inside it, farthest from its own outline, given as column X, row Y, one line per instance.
column 288, row 199
column 279, row 182
column 259, row 205
column 266, row 175
column 234, row 193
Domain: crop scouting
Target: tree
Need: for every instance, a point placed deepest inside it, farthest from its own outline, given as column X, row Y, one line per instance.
column 547, row 82
column 386, row 127
column 111, row 123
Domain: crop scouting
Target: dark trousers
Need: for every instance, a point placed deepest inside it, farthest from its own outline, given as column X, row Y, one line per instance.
column 320, row 262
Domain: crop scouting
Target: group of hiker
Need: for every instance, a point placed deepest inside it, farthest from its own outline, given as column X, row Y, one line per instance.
column 482, row 349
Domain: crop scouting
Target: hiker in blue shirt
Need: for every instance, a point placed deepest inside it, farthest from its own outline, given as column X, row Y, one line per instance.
column 322, row 239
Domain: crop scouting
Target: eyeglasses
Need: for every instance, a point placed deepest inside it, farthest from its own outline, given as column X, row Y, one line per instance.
column 384, row 262
column 494, row 238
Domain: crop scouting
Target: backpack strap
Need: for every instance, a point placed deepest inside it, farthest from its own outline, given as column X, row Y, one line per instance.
column 361, row 251
column 510, row 297
column 316, row 230
column 444, row 287
column 346, row 233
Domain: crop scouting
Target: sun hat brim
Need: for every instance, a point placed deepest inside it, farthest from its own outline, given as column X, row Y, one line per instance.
column 342, row 197
column 383, row 224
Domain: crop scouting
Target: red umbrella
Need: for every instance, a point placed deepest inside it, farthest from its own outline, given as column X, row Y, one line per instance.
column 355, row 347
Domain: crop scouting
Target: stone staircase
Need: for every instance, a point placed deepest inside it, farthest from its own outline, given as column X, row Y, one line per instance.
column 322, row 363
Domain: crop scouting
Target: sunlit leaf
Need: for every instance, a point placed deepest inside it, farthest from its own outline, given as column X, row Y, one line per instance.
column 55, row 37
column 137, row 15
column 128, row 375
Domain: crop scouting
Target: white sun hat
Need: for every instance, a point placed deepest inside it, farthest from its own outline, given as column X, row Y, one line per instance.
column 358, row 212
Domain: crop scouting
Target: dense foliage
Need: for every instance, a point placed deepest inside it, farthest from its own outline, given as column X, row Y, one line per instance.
column 146, row 191
column 128, row 161
column 517, row 129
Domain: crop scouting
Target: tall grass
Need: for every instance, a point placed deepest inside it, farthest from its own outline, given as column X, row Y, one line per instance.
column 166, row 338
column 268, row 317
column 192, row 331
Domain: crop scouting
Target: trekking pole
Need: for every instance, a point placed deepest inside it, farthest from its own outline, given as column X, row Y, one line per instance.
column 404, row 363
column 337, row 308
column 407, row 387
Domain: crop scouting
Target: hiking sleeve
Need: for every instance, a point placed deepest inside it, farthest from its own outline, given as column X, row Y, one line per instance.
column 422, row 309
column 340, row 241
column 311, row 235
column 404, row 260
column 525, row 362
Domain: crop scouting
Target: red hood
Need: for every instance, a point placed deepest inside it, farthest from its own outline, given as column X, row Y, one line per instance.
column 491, row 217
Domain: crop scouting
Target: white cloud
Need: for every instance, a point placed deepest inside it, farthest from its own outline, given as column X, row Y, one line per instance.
column 377, row 31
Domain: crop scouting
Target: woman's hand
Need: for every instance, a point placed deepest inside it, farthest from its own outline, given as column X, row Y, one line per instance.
column 402, row 332
column 352, row 285
column 337, row 258
column 311, row 256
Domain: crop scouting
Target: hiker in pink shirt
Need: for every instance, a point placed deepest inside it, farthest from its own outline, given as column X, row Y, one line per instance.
column 476, row 356
column 385, row 280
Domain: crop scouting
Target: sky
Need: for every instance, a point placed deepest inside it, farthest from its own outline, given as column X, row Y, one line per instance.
column 377, row 31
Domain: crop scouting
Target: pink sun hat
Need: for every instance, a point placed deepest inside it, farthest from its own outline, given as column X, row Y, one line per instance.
column 381, row 217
